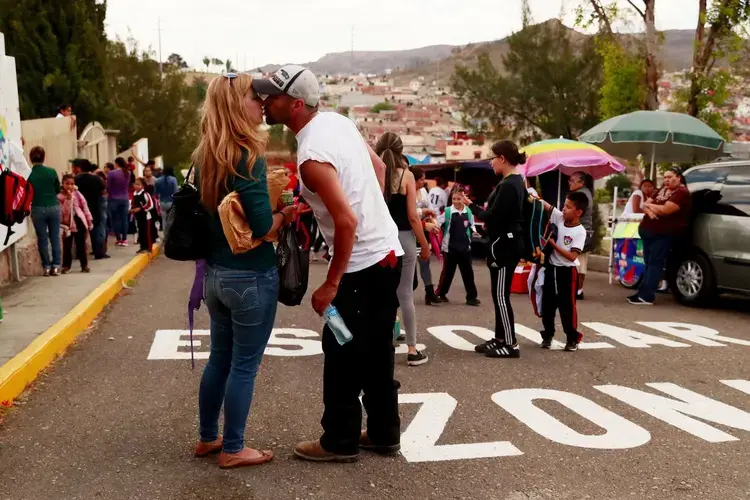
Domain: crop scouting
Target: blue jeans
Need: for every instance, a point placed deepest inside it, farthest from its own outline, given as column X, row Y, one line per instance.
column 47, row 222
column 242, row 306
column 165, row 206
column 655, row 252
column 118, row 210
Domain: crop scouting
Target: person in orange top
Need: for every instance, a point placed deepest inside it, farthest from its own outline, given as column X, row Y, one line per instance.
column 76, row 222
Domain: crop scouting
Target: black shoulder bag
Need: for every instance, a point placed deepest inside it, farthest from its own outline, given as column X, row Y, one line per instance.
column 186, row 235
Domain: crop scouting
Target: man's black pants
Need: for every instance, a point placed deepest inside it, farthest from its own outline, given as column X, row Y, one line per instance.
column 367, row 303
column 559, row 292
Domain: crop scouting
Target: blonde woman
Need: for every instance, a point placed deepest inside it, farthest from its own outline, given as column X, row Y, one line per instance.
column 240, row 290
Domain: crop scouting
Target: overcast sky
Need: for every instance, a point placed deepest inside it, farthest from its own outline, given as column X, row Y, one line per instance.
column 253, row 33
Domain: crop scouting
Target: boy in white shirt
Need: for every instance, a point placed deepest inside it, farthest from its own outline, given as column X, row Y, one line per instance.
column 561, row 274
column 439, row 195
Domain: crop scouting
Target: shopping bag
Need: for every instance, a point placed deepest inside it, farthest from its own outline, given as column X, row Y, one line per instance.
column 293, row 262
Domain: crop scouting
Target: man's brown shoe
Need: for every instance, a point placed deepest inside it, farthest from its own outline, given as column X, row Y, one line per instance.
column 204, row 449
column 366, row 444
column 244, row 458
column 314, row 452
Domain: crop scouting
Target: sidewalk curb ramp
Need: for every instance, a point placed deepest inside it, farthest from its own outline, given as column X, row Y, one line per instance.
column 18, row 372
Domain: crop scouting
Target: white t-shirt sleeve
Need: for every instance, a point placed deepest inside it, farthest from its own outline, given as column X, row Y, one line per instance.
column 579, row 239
column 556, row 217
column 311, row 154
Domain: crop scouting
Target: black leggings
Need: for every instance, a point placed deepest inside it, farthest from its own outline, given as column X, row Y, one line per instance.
column 501, row 278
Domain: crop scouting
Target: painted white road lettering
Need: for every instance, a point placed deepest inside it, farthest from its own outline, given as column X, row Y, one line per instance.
column 696, row 334
column 297, row 337
column 536, row 337
column 620, row 433
column 418, row 440
column 175, row 344
column 448, row 335
column 679, row 412
column 631, row 338
column 740, row 385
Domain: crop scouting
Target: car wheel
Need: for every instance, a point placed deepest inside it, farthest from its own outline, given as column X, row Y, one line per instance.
column 694, row 281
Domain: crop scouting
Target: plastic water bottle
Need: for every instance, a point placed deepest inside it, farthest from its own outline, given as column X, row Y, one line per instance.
column 336, row 323
column 397, row 329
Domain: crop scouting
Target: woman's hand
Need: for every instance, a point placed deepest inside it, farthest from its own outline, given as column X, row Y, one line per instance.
column 424, row 253
column 430, row 227
column 467, row 201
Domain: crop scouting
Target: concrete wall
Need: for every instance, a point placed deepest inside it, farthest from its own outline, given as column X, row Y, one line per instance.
column 10, row 131
column 56, row 137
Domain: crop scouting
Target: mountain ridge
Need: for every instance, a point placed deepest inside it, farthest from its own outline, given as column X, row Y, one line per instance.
column 675, row 54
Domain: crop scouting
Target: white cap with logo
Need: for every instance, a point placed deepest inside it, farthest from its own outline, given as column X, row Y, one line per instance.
column 293, row 80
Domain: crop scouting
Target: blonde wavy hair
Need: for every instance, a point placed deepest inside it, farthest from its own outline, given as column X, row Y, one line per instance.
column 226, row 132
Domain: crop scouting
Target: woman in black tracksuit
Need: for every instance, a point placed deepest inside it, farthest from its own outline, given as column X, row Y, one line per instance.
column 503, row 221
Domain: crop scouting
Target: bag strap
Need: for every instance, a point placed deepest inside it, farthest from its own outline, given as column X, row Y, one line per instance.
column 187, row 177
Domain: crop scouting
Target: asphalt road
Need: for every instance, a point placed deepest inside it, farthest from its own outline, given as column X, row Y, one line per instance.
column 108, row 423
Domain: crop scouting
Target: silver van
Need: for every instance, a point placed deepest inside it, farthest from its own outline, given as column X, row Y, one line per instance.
column 715, row 257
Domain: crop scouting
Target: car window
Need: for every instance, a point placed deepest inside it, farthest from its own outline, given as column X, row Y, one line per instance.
column 704, row 177
column 736, row 191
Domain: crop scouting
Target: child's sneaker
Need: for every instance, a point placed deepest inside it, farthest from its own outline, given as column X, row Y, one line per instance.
column 546, row 343
column 417, row 359
column 571, row 347
column 444, row 299
column 473, row 302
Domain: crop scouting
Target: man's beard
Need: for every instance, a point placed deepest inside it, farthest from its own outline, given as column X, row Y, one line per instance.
column 270, row 120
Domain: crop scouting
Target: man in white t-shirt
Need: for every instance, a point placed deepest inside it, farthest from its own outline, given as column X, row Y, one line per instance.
column 339, row 182
column 439, row 195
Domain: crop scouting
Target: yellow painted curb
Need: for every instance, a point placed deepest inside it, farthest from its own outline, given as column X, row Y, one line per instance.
column 23, row 368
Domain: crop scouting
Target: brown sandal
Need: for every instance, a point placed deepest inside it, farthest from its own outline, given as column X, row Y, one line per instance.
column 205, row 449
column 239, row 459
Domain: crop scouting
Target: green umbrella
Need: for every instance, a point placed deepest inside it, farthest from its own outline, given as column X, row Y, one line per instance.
column 661, row 136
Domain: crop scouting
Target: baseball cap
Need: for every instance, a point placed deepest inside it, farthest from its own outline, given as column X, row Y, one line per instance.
column 296, row 81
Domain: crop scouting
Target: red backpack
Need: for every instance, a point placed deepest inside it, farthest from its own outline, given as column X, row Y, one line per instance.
column 16, row 194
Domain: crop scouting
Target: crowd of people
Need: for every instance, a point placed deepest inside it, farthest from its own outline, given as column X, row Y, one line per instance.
column 380, row 224
column 82, row 208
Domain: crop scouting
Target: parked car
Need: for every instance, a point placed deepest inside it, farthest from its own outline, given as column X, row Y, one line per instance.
column 715, row 257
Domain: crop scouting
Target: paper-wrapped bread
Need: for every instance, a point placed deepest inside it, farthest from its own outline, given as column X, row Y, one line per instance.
column 233, row 220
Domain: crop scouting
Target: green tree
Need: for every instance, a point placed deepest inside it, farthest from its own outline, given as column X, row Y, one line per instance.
column 605, row 13
column 548, row 86
column 60, row 51
column 716, row 39
column 177, row 61
column 143, row 104
column 381, row 106
column 207, row 62
column 623, row 89
column 228, row 65
column 217, row 62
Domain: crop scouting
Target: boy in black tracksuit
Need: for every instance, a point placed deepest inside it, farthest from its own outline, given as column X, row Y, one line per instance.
column 458, row 226
column 143, row 211
column 560, row 273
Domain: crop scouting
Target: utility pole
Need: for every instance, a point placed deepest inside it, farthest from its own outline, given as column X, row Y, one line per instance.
column 351, row 54
column 161, row 64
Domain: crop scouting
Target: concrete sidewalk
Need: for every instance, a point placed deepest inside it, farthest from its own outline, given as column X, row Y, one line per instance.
column 36, row 303
column 43, row 315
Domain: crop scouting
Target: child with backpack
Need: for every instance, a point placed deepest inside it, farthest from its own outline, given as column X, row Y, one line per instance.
column 143, row 211
column 76, row 222
column 560, row 272
column 458, row 227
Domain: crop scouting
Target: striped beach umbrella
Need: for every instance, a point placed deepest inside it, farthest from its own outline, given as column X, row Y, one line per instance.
column 568, row 157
